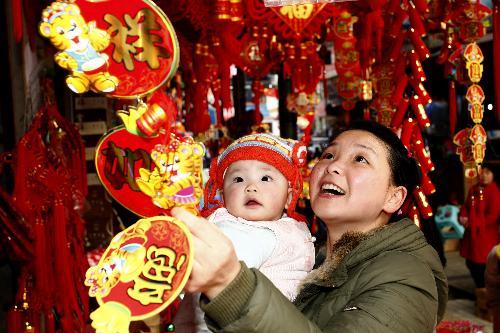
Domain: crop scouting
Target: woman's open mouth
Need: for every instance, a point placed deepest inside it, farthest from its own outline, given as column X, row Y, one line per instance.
column 332, row 189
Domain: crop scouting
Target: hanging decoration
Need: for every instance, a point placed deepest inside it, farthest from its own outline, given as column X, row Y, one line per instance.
column 81, row 47
column 149, row 175
column 126, row 50
column 142, row 271
column 129, row 50
column 202, row 75
column 50, row 186
column 468, row 22
column 291, row 23
column 400, row 97
column 176, row 178
column 341, row 31
column 298, row 16
column 305, row 69
column 382, row 103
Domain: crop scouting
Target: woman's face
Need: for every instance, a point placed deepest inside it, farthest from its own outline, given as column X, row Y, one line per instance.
column 486, row 176
column 351, row 183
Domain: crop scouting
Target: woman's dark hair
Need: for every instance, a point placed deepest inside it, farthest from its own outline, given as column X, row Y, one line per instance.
column 404, row 168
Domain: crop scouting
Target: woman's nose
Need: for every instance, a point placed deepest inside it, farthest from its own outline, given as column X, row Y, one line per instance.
column 334, row 167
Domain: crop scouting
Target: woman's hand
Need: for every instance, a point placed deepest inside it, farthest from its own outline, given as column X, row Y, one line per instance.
column 215, row 262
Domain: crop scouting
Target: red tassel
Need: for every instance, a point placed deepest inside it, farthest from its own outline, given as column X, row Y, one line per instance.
column 452, row 108
column 399, row 115
column 42, row 267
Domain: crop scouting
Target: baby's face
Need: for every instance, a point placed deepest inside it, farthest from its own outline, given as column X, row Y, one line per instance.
column 255, row 191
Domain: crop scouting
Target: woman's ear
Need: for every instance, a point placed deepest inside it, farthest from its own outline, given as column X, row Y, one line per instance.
column 395, row 199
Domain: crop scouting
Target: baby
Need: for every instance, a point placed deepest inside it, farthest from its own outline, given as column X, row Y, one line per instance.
column 259, row 179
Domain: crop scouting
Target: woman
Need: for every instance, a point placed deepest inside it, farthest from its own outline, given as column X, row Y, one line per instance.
column 375, row 276
column 480, row 217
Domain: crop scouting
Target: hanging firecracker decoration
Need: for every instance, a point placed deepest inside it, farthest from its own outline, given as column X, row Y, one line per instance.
column 407, row 95
column 142, row 271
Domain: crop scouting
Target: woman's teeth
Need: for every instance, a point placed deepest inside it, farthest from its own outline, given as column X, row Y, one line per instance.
column 332, row 189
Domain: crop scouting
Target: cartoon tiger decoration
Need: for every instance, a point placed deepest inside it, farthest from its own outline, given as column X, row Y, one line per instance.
column 123, row 264
column 79, row 44
column 176, row 179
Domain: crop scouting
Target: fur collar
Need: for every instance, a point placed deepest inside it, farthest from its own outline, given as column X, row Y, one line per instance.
column 339, row 250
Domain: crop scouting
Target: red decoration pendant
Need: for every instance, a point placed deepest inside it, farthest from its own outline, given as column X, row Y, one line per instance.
column 143, row 51
column 141, row 272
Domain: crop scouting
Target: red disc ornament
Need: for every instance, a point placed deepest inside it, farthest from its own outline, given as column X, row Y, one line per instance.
column 142, row 271
column 130, row 166
column 143, row 50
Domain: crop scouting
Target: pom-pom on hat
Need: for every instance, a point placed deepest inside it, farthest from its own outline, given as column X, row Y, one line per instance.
column 286, row 155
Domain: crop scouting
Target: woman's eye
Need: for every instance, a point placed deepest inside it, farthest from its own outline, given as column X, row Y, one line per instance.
column 266, row 179
column 361, row 159
column 238, row 179
column 327, row 156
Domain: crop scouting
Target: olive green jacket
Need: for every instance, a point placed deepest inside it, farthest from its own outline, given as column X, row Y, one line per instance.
column 389, row 280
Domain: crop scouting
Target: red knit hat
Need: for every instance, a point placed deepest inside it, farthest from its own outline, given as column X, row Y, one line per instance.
column 286, row 155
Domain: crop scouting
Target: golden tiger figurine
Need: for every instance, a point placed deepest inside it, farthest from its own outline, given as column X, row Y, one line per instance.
column 176, row 179
column 124, row 264
column 79, row 45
